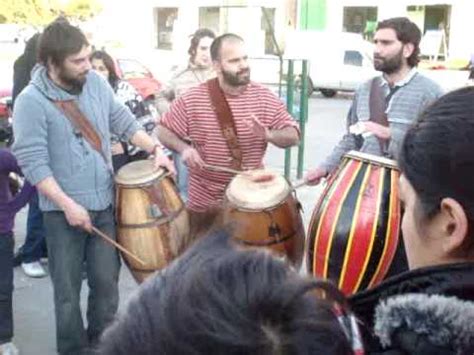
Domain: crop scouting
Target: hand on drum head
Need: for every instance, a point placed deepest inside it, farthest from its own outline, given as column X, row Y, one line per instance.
column 77, row 216
column 162, row 161
column 314, row 176
column 192, row 158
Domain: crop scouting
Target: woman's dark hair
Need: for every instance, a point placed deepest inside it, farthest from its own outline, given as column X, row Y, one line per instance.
column 407, row 32
column 216, row 299
column 217, row 44
column 109, row 64
column 437, row 155
column 195, row 39
column 58, row 41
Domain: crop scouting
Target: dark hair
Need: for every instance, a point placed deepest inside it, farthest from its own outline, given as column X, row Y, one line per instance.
column 216, row 299
column 437, row 155
column 109, row 64
column 407, row 32
column 217, row 44
column 59, row 40
column 196, row 38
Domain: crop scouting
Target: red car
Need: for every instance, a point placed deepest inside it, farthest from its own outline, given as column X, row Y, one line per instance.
column 139, row 77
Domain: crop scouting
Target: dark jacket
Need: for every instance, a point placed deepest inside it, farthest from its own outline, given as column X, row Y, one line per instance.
column 401, row 324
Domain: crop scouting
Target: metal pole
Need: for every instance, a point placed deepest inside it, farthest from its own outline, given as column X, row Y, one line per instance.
column 303, row 117
column 290, row 83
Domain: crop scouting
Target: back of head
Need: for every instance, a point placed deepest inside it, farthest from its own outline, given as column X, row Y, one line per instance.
column 58, row 41
column 437, row 155
column 219, row 41
column 219, row 300
column 407, row 32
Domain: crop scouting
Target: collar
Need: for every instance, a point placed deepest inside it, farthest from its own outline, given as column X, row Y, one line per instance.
column 400, row 83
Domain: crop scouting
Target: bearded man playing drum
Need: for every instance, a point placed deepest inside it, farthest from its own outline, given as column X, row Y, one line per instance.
column 229, row 122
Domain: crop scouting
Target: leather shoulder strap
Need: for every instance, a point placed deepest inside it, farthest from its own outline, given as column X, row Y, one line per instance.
column 378, row 106
column 70, row 109
column 226, row 121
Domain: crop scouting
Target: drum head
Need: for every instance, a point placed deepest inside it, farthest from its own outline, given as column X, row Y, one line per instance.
column 373, row 159
column 257, row 190
column 138, row 173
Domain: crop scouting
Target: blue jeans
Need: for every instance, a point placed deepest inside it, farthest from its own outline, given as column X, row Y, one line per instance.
column 6, row 287
column 34, row 247
column 68, row 247
column 183, row 176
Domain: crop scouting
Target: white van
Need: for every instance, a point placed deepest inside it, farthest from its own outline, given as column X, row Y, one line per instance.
column 338, row 61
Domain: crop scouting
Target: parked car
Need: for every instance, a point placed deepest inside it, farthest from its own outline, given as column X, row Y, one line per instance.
column 140, row 77
column 338, row 61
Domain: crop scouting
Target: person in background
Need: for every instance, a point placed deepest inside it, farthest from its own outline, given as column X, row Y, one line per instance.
column 198, row 71
column 122, row 151
column 9, row 206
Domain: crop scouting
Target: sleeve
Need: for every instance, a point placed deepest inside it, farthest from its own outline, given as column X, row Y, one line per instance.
column 122, row 121
column 176, row 119
column 31, row 145
column 347, row 143
column 279, row 116
column 22, row 198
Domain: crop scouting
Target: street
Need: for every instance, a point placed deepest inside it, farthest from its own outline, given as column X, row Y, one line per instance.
column 33, row 298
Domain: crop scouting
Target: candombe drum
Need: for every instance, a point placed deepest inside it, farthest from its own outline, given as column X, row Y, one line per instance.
column 266, row 214
column 152, row 221
column 354, row 229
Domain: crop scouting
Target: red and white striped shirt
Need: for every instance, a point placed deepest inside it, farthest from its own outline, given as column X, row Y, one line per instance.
column 192, row 117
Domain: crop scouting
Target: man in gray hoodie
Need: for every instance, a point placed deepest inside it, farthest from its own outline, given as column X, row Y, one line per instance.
column 74, row 179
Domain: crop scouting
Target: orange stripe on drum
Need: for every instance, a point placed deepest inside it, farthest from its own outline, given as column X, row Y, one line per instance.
column 335, row 208
column 392, row 234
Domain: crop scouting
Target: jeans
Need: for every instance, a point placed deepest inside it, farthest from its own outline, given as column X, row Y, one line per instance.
column 6, row 287
column 34, row 247
column 182, row 172
column 68, row 248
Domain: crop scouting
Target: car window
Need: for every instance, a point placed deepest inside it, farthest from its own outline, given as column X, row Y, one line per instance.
column 132, row 69
column 353, row 58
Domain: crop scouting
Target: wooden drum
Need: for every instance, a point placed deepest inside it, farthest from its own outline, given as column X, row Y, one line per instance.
column 152, row 221
column 354, row 229
column 266, row 214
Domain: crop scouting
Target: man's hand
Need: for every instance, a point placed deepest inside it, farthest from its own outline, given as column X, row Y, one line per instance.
column 314, row 176
column 162, row 161
column 77, row 216
column 377, row 130
column 257, row 127
column 192, row 158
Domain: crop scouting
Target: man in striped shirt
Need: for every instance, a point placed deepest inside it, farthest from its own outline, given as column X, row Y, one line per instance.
column 259, row 118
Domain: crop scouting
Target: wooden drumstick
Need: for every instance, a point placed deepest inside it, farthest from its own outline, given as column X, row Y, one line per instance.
column 223, row 169
column 117, row 245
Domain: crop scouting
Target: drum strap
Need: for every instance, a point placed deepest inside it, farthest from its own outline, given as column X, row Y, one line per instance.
column 378, row 105
column 226, row 121
column 72, row 112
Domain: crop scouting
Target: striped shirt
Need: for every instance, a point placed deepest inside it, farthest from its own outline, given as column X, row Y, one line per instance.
column 191, row 117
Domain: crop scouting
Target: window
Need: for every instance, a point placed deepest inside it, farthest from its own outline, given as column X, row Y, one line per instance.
column 209, row 17
column 165, row 18
column 353, row 58
column 360, row 19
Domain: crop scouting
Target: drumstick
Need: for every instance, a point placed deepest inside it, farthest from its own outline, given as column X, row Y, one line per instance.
column 223, row 169
column 117, row 245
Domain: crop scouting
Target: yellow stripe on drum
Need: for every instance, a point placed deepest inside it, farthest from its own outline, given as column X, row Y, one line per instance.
column 333, row 187
column 374, row 228
column 393, row 196
column 355, row 218
column 338, row 213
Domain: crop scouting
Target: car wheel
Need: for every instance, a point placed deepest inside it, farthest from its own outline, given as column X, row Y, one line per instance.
column 328, row 92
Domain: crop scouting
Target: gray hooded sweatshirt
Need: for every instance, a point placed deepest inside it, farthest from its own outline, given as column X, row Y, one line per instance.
column 46, row 143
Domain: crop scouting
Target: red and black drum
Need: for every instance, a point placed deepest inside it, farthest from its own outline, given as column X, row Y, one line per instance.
column 354, row 230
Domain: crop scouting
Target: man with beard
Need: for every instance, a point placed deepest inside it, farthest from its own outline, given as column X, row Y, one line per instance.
column 228, row 121
column 62, row 125
column 405, row 94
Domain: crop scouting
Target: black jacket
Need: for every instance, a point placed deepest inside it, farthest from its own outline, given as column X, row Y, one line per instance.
column 404, row 310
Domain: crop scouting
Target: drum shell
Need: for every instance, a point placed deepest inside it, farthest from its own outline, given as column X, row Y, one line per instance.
column 354, row 230
column 278, row 228
column 154, row 239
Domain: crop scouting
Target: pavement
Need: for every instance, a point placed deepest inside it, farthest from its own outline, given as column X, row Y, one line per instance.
column 33, row 298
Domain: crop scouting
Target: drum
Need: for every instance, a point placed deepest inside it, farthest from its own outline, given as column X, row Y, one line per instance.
column 265, row 213
column 354, row 229
column 152, row 222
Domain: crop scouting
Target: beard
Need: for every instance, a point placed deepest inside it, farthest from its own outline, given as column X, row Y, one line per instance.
column 389, row 65
column 74, row 83
column 240, row 78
